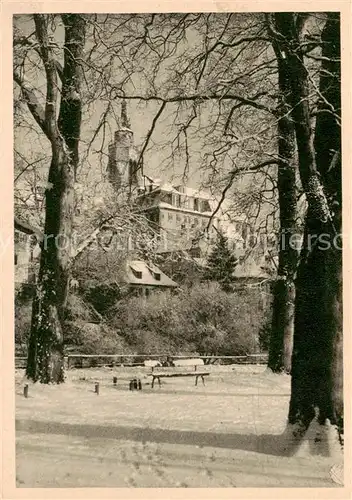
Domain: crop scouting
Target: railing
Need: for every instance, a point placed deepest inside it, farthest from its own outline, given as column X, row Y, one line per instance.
column 96, row 360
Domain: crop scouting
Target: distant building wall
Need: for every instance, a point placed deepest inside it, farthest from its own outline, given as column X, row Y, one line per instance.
column 181, row 218
column 25, row 257
column 183, row 221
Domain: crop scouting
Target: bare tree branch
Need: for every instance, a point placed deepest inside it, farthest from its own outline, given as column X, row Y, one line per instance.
column 51, row 75
column 150, row 132
column 202, row 98
column 34, row 106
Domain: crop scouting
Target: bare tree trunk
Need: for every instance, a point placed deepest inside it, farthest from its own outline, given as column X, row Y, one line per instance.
column 45, row 355
column 281, row 338
column 316, row 361
column 328, row 157
column 282, row 327
column 316, row 366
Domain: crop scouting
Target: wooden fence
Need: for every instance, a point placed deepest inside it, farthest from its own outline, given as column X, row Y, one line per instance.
column 96, row 360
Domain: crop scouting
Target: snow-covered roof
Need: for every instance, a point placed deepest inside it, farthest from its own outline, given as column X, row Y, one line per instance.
column 195, row 193
column 166, row 186
column 213, row 200
column 164, row 204
column 25, row 227
column 139, row 272
column 179, row 189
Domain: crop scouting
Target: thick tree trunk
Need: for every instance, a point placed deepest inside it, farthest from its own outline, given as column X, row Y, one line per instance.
column 282, row 327
column 316, row 362
column 318, row 328
column 45, row 354
column 328, row 157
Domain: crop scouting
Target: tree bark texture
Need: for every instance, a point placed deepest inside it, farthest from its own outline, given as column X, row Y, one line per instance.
column 282, row 327
column 45, row 355
column 316, row 387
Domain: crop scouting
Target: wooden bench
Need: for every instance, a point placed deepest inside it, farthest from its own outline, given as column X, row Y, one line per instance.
column 166, row 374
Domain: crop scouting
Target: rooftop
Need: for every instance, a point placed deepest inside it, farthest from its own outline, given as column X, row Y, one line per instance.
column 139, row 272
column 25, row 227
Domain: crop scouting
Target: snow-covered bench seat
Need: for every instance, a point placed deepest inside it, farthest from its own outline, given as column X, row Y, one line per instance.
column 182, row 368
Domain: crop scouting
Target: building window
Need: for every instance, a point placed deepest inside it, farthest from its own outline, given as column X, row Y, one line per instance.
column 178, row 217
column 157, row 276
column 205, row 207
column 137, row 274
column 16, row 259
column 195, row 252
column 176, row 200
column 170, row 216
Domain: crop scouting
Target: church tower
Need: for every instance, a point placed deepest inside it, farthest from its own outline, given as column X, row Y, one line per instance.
column 122, row 163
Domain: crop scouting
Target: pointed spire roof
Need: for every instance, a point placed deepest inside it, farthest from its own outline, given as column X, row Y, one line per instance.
column 125, row 122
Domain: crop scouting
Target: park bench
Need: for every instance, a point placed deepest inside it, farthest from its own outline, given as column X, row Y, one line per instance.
column 163, row 372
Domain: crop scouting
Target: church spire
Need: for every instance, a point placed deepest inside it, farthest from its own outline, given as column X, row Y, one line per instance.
column 125, row 122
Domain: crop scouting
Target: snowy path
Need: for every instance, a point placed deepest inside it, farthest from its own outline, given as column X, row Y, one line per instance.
column 225, row 434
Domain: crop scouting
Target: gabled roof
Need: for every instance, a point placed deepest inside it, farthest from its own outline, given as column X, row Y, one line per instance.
column 195, row 193
column 164, row 204
column 25, row 227
column 139, row 272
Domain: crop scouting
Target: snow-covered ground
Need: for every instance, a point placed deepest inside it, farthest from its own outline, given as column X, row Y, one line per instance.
column 228, row 433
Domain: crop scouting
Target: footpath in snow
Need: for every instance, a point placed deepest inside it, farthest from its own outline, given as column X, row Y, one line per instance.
column 228, row 433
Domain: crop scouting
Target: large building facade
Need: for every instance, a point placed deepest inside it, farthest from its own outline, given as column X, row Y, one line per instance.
column 181, row 218
column 27, row 251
